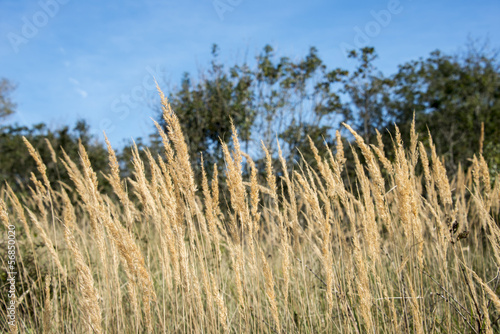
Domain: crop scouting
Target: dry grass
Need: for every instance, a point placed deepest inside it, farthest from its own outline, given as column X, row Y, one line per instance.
column 406, row 250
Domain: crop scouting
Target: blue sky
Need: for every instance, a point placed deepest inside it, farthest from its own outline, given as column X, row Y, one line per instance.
column 95, row 59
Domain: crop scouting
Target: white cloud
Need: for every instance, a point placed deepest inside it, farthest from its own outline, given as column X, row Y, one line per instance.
column 74, row 81
column 82, row 92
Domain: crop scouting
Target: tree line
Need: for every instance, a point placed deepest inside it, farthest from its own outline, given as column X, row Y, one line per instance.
column 454, row 97
column 450, row 96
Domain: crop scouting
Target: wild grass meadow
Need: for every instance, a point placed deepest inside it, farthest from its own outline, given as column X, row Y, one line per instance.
column 405, row 247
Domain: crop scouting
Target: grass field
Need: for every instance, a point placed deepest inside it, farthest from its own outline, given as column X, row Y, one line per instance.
column 406, row 249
